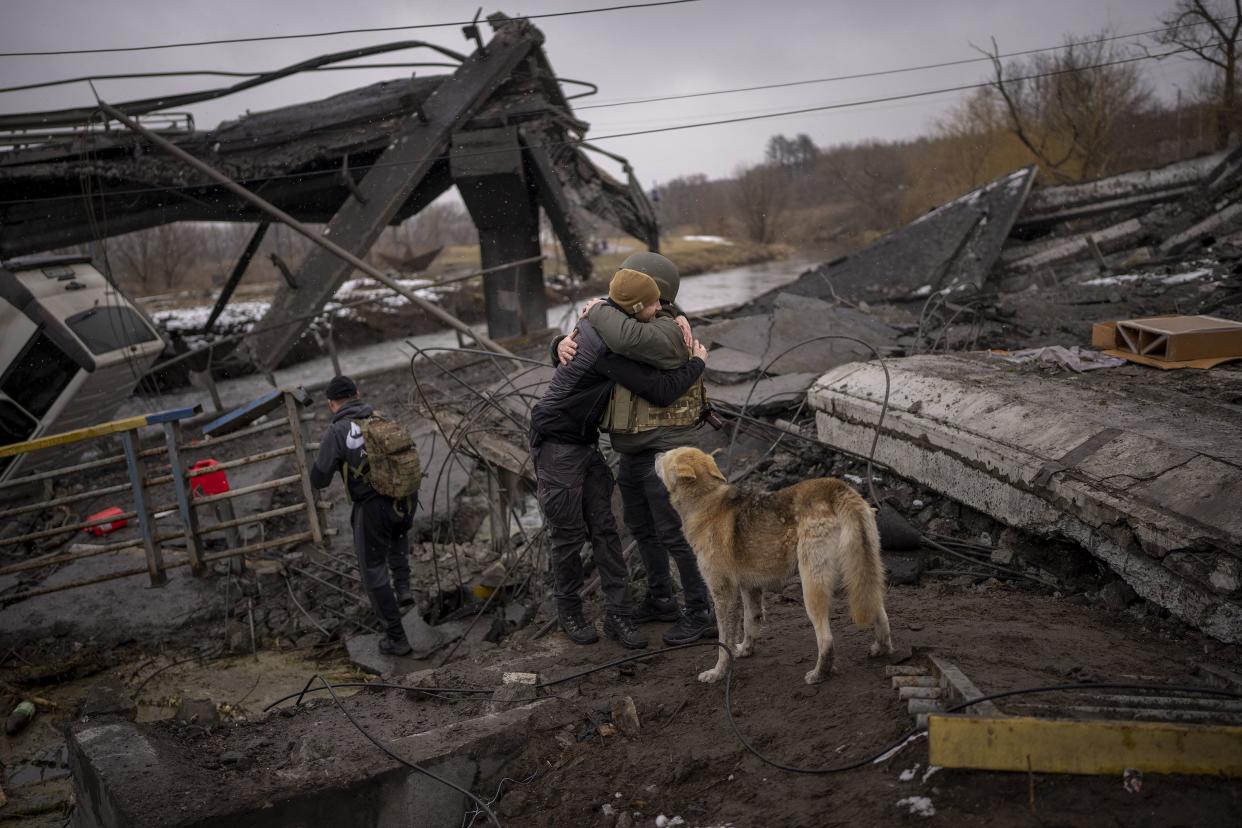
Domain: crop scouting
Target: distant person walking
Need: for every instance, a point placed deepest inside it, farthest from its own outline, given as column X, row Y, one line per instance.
column 381, row 523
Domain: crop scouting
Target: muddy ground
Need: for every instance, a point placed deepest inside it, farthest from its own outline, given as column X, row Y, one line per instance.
column 684, row 762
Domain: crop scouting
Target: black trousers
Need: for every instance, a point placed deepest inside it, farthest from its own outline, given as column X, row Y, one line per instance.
column 381, row 541
column 575, row 494
column 656, row 526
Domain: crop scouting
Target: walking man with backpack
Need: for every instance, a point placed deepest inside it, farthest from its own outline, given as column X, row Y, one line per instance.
column 379, row 466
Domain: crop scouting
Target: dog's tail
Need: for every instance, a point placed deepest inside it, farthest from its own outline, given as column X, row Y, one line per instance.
column 862, row 568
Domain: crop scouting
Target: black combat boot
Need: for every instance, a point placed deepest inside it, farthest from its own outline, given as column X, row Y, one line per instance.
column 621, row 629
column 405, row 597
column 395, row 646
column 692, row 626
column 656, row 609
column 576, row 627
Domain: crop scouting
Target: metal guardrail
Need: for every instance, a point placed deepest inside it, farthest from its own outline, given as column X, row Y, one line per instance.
column 179, row 477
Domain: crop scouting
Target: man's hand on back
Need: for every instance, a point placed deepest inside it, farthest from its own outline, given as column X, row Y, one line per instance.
column 700, row 351
column 566, row 349
column 587, row 307
column 684, row 324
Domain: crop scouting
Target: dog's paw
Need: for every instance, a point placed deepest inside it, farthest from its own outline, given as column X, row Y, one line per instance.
column 744, row 649
column 710, row 676
column 815, row 677
column 878, row 649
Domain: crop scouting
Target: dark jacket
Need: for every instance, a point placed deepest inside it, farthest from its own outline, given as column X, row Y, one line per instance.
column 570, row 410
column 657, row 343
column 341, row 450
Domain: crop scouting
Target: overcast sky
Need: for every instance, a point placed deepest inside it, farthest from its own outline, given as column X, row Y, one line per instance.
column 701, row 46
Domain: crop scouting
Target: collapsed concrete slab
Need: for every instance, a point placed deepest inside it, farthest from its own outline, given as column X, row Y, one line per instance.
column 1132, row 479
column 955, row 245
column 766, row 396
column 787, row 340
column 310, row 769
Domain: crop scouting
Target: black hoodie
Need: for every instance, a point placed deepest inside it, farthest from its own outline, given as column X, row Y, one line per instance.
column 570, row 409
column 341, row 450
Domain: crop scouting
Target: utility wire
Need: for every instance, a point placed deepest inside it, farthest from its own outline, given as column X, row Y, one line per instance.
column 221, row 73
column 876, row 73
column 632, row 101
column 655, row 130
column 369, row 30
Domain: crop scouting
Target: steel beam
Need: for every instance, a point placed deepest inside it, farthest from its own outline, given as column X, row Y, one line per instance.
column 490, row 173
column 239, row 270
column 552, row 165
column 317, row 238
column 189, row 518
column 137, row 482
column 388, row 185
column 299, row 454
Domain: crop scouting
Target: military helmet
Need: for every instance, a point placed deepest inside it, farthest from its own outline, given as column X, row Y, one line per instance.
column 663, row 271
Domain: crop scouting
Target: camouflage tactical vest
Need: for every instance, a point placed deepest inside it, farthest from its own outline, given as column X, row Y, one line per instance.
column 628, row 413
column 395, row 469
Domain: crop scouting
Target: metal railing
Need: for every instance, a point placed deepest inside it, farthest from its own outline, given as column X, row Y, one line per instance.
column 141, row 486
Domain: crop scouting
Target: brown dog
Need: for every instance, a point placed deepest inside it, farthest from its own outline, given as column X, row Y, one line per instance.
column 746, row 542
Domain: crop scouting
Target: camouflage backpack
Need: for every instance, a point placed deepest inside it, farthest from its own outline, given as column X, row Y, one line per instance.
column 395, row 470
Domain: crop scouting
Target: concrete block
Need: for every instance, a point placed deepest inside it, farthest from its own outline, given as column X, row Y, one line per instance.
column 967, row 427
column 364, row 651
column 108, row 699
column 141, row 774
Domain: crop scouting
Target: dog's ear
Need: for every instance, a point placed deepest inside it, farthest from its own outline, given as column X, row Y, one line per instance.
column 685, row 472
column 714, row 471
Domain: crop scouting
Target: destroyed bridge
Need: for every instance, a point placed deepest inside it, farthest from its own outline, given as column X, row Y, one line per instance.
column 499, row 127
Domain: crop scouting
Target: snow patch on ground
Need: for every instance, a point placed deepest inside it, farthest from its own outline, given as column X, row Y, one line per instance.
column 1183, row 278
column 709, row 239
column 918, row 805
column 192, row 320
column 1168, row 281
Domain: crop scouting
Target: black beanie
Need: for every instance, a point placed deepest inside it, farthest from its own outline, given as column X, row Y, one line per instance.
column 341, row 388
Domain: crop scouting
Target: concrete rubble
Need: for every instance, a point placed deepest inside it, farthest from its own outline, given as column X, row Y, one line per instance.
column 1138, row 484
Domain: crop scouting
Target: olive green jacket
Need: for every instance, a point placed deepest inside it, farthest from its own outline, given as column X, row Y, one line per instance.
column 657, row 343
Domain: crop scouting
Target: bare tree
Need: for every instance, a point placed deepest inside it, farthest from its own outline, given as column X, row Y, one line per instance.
column 1209, row 29
column 760, row 196
column 1068, row 107
column 792, row 154
column 159, row 258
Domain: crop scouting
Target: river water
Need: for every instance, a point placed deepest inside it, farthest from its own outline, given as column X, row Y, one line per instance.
column 699, row 293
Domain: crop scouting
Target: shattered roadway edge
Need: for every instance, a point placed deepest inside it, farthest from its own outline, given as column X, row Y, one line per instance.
column 1146, row 488
column 139, row 774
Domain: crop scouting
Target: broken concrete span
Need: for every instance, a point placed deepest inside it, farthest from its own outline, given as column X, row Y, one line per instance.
column 287, row 772
column 1144, row 488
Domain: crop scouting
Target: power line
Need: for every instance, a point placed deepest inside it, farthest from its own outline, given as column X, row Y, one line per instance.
column 879, row 73
column 633, row 101
column 370, row 30
column 675, row 128
column 221, row 73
